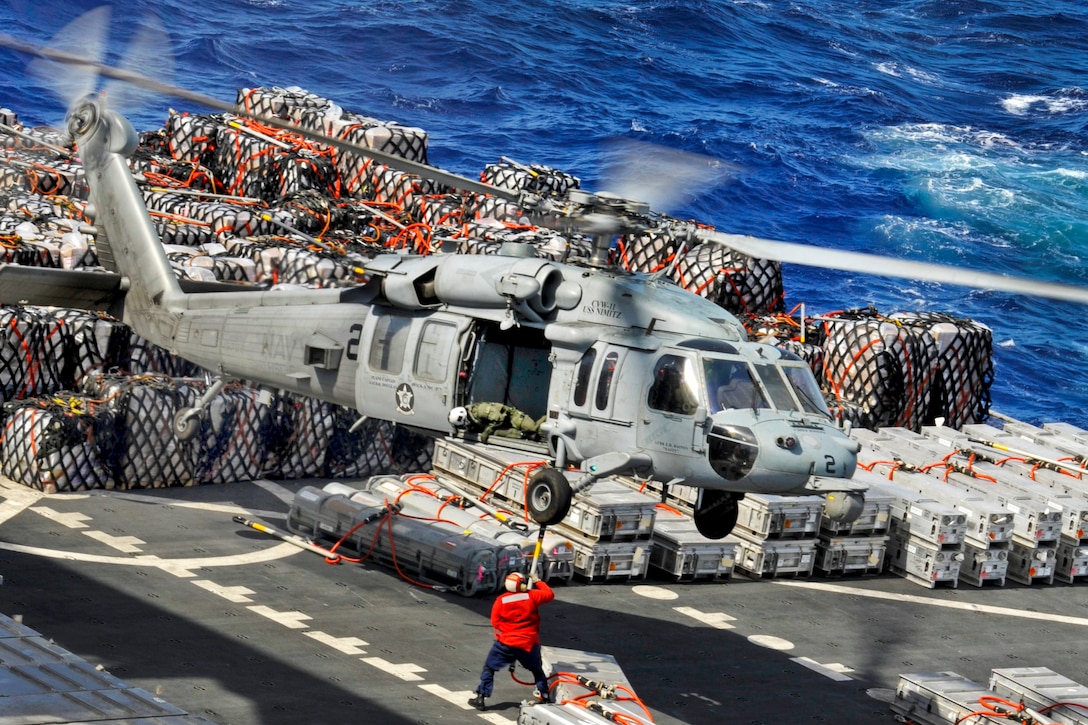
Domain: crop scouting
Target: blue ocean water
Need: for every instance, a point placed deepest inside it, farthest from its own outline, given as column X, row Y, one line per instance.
column 938, row 130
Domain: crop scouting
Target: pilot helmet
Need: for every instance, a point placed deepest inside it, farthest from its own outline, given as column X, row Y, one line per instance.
column 459, row 417
column 515, row 582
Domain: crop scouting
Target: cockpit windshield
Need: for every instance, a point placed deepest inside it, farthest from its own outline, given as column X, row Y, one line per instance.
column 788, row 385
column 729, row 384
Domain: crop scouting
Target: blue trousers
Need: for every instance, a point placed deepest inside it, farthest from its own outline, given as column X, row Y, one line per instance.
column 502, row 655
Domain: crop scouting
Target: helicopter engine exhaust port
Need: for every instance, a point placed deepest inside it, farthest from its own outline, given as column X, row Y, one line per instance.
column 843, row 506
column 716, row 512
column 548, row 496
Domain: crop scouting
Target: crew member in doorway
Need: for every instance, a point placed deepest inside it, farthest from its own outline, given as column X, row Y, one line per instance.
column 517, row 635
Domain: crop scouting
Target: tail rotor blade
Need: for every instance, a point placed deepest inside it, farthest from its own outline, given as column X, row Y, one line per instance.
column 86, row 37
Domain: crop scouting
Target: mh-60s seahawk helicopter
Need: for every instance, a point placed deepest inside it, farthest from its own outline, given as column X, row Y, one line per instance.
column 627, row 373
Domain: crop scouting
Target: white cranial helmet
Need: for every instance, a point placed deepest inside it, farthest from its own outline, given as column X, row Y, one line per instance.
column 459, row 417
column 515, row 582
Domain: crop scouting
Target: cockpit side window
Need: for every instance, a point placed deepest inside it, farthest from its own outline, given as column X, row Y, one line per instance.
column 673, row 389
column 581, row 383
column 604, row 381
column 729, row 384
column 807, row 389
column 390, row 341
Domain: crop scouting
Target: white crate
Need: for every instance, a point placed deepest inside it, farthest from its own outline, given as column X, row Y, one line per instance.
column 984, row 564
column 774, row 557
column 850, row 554
column 770, row 516
column 678, row 549
column 613, row 560
column 922, row 561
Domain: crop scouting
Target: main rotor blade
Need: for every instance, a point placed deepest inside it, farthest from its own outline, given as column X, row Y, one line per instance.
column 809, row 255
column 659, row 176
column 85, row 36
column 167, row 89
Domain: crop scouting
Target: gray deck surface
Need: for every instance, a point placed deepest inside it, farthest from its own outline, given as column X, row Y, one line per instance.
column 170, row 595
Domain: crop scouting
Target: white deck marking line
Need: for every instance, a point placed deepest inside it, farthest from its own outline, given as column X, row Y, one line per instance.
column 235, row 595
column 496, row 719
column 16, row 499
column 72, row 521
column 124, row 544
column 406, row 671
column 459, row 698
column 914, row 599
column 282, row 493
column 255, row 557
column 291, row 620
column 718, row 620
column 347, row 645
column 835, row 671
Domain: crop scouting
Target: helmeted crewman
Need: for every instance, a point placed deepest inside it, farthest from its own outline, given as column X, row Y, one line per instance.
column 516, row 622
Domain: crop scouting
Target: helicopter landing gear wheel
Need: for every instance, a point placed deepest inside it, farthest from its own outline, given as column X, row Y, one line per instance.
column 717, row 512
column 186, row 423
column 548, row 496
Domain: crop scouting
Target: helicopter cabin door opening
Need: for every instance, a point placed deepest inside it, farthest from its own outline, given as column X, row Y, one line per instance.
column 408, row 366
column 506, row 375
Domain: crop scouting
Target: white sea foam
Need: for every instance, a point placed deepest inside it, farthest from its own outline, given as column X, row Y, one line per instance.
column 1066, row 100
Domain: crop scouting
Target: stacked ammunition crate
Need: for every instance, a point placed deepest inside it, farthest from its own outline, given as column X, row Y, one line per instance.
column 1032, row 549
column 680, row 551
column 857, row 547
column 925, row 535
column 1050, row 457
column 776, row 535
column 609, row 526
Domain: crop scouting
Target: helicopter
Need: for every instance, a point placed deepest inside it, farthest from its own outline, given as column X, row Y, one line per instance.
column 621, row 373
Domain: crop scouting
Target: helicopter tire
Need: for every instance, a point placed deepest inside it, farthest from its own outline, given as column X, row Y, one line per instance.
column 717, row 513
column 548, row 496
column 186, row 422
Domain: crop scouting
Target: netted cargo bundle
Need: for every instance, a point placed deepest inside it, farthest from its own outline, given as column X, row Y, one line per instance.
column 961, row 388
column 37, row 208
column 146, row 453
column 534, row 178
column 647, row 251
column 49, row 176
column 289, row 103
column 735, row 281
column 441, row 210
column 32, row 352
column 95, row 344
column 193, row 137
column 232, row 437
column 395, row 189
column 298, row 435
column 407, row 142
column 194, row 263
column 494, row 208
column 243, row 162
column 185, row 220
column 785, row 331
column 300, row 170
column 315, row 268
column 155, row 166
column 16, row 249
column 56, row 444
column 883, row 367
column 377, row 447
column 13, row 179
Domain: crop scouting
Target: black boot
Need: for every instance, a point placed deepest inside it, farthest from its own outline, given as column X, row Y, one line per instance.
column 478, row 702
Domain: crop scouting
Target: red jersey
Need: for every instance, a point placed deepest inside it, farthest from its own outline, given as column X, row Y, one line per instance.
column 515, row 619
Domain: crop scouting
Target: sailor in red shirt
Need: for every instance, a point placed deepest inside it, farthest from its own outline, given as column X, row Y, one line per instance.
column 517, row 634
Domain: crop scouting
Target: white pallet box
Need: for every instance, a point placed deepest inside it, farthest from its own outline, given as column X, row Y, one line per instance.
column 984, row 564
column 1034, row 518
column 922, row 562
column 1062, row 700
column 678, row 549
column 850, row 554
column 608, row 511
column 1030, row 564
column 556, row 714
column 987, row 519
column 611, row 560
column 771, row 558
column 935, row 698
column 1072, row 562
column 770, row 516
column 918, row 515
